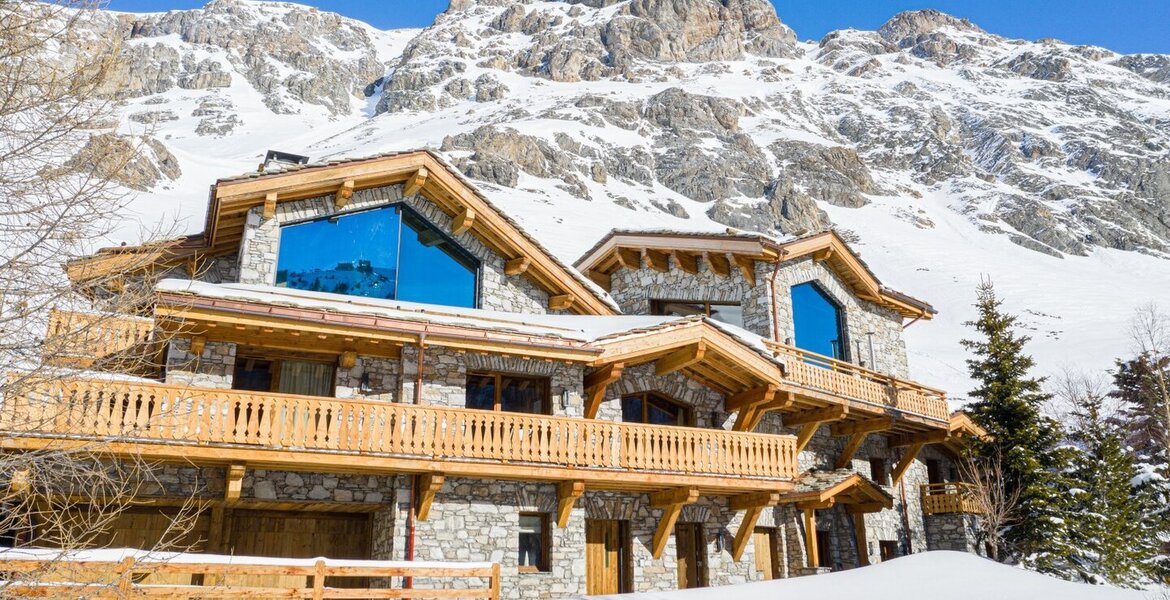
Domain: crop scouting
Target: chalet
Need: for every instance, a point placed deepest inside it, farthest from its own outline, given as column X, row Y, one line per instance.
column 367, row 359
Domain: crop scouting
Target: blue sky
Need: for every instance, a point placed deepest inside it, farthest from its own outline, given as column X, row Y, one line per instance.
column 1123, row 25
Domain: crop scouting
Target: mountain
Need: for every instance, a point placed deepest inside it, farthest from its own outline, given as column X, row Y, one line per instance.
column 944, row 152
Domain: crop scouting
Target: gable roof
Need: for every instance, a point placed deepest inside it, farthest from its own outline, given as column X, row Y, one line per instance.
column 822, row 489
column 828, row 247
column 421, row 171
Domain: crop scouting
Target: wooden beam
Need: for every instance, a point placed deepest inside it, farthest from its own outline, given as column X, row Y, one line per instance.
column 851, row 447
column 560, row 302
column 601, row 279
column 867, row 426
column 823, row 255
column 747, row 419
column 810, row 538
column 428, row 485
column 234, row 484
column 754, row 500
column 269, row 206
column 198, row 343
column 747, row 267
column 672, row 503
column 719, row 264
column 658, row 260
column 805, row 435
column 865, row 507
column 907, row 458
column 819, row 415
column 862, row 544
column 756, row 396
column 687, row 261
column 680, row 358
column 343, row 194
column 567, row 494
column 926, row 437
column 630, row 258
column 744, row 533
column 347, row 360
column 415, row 183
column 463, row 221
column 827, row 503
column 517, row 266
column 596, row 384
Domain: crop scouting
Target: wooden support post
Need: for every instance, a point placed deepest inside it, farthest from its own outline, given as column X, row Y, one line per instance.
column 658, row 260
column 671, row 502
column 747, row 419
column 596, row 384
column 805, row 436
column 344, row 193
column 811, row 420
column 234, row 485
column 560, row 302
column 810, row 538
column 495, row 583
column 630, row 258
column 415, row 183
column 269, row 206
column 429, row 484
column 859, row 535
column 851, row 447
column 463, row 221
column 681, row 358
column 516, row 266
column 719, row 264
column 567, row 494
column 125, row 576
column 747, row 267
column 910, row 454
column 347, row 360
column 319, row 579
column 751, row 397
column 754, row 504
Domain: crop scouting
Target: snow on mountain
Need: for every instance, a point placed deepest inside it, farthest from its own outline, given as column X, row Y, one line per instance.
column 945, row 152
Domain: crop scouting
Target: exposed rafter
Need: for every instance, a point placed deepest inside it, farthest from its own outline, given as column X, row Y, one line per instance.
column 416, row 182
column 687, row 261
column 560, row 302
column 747, row 267
column 719, row 264
column 343, row 194
column 463, row 221
column 596, row 384
column 630, row 258
column 269, row 210
column 679, row 359
column 658, row 260
column 671, row 502
column 907, row 459
column 567, row 494
column 517, row 266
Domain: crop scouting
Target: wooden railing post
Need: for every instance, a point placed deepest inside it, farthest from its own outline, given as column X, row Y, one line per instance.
column 495, row 583
column 126, row 576
column 319, row 579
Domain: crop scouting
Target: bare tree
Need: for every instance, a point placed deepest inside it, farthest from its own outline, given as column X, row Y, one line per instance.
column 1150, row 331
column 61, row 195
column 995, row 504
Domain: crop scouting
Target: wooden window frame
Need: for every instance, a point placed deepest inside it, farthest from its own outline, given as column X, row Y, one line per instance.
column 277, row 359
column 545, row 558
column 497, row 401
column 688, row 410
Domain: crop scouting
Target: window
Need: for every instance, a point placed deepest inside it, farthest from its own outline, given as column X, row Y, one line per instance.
column 724, row 312
column 818, row 321
column 533, row 543
column 507, row 392
column 286, row 376
column 390, row 252
column 889, row 550
column 878, row 472
column 652, row 408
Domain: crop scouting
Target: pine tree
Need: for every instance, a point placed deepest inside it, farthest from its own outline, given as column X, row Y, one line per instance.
column 1116, row 539
column 1008, row 404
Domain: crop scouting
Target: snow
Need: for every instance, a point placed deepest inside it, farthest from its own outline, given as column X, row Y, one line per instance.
column 153, row 556
column 924, row 576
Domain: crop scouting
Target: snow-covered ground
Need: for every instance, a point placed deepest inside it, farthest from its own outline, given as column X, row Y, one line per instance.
column 926, row 576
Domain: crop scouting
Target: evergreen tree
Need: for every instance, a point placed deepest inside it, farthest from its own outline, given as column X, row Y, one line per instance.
column 1115, row 538
column 1008, row 403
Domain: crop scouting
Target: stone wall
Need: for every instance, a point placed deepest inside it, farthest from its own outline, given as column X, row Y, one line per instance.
column 861, row 317
column 213, row 368
column 383, row 376
column 706, row 404
column 634, row 289
column 953, row 531
column 261, row 244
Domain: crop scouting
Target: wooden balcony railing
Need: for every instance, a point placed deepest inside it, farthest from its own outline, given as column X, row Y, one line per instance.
column 90, row 574
column 83, row 339
column 950, row 497
column 825, row 374
column 152, row 412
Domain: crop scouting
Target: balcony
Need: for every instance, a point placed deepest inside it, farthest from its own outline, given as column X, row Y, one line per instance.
column 85, row 340
column 165, row 422
column 950, row 497
column 820, row 373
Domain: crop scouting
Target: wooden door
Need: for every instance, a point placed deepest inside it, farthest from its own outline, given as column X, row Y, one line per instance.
column 825, row 549
column 692, row 555
column 299, row 535
column 766, row 544
column 607, row 557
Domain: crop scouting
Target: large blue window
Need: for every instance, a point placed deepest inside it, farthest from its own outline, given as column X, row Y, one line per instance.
column 818, row 321
column 389, row 252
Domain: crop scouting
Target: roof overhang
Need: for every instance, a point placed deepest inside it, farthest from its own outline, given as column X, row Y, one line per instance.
column 421, row 172
column 852, row 490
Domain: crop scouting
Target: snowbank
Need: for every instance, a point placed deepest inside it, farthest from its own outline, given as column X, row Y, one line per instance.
column 926, row 576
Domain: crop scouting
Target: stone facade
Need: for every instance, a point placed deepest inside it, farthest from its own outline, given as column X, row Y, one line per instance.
column 953, row 531
column 261, row 244
column 213, row 368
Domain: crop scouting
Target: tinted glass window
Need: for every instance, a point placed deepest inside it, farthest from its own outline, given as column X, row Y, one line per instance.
column 388, row 252
column 817, row 321
column 532, row 550
column 481, row 392
column 512, row 393
column 650, row 408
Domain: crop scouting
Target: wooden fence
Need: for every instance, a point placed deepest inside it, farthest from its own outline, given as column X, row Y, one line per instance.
column 156, row 412
column 129, row 577
column 950, row 497
column 822, row 373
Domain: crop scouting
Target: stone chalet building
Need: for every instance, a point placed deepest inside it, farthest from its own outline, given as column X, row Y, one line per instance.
column 367, row 359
